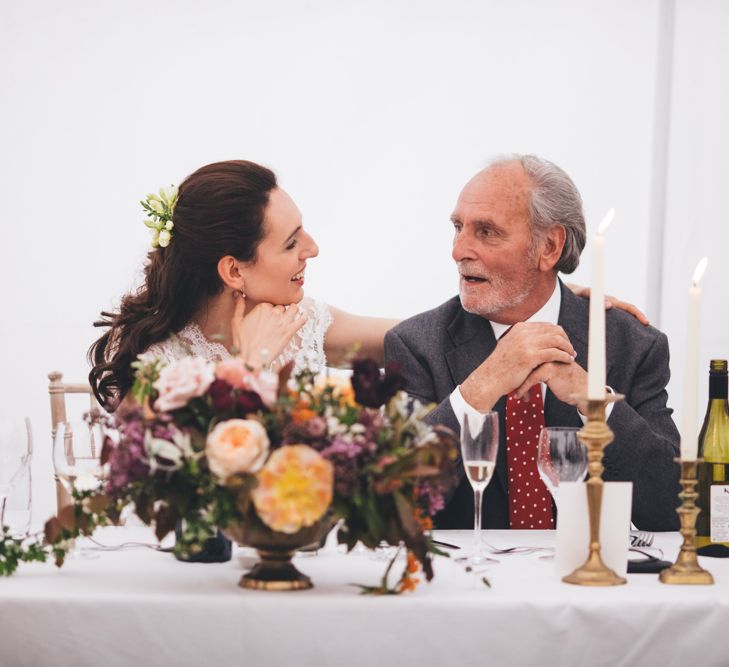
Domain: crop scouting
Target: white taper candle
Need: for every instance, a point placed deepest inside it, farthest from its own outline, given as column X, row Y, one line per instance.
column 596, row 343
column 690, row 416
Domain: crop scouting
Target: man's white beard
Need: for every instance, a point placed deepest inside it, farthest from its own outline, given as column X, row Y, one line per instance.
column 502, row 296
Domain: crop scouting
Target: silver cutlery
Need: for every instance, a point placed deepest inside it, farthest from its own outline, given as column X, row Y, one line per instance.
column 644, row 552
column 506, row 551
column 641, row 538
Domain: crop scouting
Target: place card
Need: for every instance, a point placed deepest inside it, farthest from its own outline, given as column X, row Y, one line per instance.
column 573, row 526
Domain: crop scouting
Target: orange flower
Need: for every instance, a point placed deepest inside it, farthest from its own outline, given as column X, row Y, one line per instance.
column 295, row 488
column 408, row 584
column 413, row 565
column 302, row 415
column 302, row 412
column 426, row 523
column 341, row 389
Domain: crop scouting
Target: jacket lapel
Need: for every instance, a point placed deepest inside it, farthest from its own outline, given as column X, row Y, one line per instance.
column 574, row 316
column 473, row 340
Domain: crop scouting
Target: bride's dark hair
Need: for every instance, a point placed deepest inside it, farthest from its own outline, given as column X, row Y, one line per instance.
column 219, row 211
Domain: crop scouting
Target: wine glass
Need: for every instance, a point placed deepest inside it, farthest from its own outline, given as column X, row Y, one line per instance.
column 19, row 504
column 15, row 454
column 561, row 457
column 479, row 446
column 77, row 456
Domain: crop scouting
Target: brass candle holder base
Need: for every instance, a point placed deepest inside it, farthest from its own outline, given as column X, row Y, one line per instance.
column 596, row 435
column 686, row 569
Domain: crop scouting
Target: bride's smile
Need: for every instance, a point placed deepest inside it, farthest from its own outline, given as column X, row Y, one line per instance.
column 276, row 274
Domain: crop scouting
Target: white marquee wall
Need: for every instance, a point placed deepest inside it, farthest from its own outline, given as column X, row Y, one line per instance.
column 373, row 114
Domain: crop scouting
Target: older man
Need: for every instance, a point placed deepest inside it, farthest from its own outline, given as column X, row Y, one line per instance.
column 515, row 332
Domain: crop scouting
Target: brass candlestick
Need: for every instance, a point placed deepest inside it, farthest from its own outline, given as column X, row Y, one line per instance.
column 686, row 569
column 596, row 435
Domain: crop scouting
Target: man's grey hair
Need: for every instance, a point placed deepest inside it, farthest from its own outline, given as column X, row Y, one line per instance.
column 555, row 200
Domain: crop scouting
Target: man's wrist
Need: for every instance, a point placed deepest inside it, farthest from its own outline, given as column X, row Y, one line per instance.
column 582, row 406
column 478, row 394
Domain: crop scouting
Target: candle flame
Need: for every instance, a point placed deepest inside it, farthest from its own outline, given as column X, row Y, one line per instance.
column 606, row 221
column 700, row 269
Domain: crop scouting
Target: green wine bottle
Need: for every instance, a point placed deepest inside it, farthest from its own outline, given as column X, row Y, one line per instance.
column 712, row 524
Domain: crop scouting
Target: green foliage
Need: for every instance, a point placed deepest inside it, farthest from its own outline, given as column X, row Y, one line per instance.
column 145, row 375
column 13, row 552
column 88, row 511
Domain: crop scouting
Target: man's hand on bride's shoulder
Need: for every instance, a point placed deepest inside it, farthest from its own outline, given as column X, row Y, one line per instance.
column 611, row 302
column 262, row 334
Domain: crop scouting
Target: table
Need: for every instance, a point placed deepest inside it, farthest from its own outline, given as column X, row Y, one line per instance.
column 141, row 607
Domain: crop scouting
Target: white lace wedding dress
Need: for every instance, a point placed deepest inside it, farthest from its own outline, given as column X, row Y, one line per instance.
column 306, row 348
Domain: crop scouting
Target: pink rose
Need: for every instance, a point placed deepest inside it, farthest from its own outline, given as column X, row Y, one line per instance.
column 182, row 380
column 234, row 371
column 236, row 445
column 265, row 384
column 237, row 374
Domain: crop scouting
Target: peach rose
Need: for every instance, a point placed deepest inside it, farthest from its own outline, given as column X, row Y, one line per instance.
column 295, row 488
column 236, row 445
column 182, row 380
column 237, row 374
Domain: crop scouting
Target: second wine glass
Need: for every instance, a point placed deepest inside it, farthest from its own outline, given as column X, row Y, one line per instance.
column 479, row 446
column 561, row 457
column 15, row 456
column 77, row 456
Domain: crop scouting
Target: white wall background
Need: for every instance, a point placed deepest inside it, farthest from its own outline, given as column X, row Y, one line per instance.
column 373, row 115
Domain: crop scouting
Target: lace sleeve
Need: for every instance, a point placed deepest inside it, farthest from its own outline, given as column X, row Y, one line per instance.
column 189, row 341
column 166, row 351
column 307, row 347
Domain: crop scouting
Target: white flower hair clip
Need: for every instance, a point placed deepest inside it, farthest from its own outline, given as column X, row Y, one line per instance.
column 159, row 210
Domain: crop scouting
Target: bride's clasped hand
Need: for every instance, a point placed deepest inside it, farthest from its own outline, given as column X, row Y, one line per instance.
column 262, row 334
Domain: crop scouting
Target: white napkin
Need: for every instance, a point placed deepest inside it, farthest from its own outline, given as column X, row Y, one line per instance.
column 573, row 526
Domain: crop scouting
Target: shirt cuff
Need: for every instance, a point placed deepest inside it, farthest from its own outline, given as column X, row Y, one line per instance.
column 608, row 407
column 461, row 409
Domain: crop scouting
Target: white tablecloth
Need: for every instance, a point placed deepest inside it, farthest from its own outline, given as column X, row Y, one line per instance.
column 140, row 607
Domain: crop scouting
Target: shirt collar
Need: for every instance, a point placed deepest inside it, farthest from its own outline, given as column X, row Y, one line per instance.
column 548, row 313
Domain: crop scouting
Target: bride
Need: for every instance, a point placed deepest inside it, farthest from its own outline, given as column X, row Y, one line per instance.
column 231, row 278
column 226, row 275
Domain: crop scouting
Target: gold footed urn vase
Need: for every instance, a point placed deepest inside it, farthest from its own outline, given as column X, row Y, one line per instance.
column 275, row 571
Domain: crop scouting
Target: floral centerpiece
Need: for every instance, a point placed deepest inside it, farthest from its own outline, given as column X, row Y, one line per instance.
column 273, row 461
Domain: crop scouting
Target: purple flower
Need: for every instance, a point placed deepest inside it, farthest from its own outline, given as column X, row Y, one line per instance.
column 370, row 388
column 313, row 432
column 221, row 394
column 431, row 496
column 126, row 459
column 316, row 427
column 249, row 402
column 344, row 455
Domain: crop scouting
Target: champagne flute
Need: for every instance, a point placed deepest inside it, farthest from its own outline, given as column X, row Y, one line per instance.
column 77, row 456
column 561, row 457
column 479, row 446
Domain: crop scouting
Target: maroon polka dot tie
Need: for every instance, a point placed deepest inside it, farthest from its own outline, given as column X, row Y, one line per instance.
column 530, row 503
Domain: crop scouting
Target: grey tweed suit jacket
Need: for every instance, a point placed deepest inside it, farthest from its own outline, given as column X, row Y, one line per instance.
column 438, row 349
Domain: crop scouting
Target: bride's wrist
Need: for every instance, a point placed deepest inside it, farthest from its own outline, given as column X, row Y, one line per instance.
column 259, row 360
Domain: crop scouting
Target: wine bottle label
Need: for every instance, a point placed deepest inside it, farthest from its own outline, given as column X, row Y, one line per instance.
column 720, row 513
